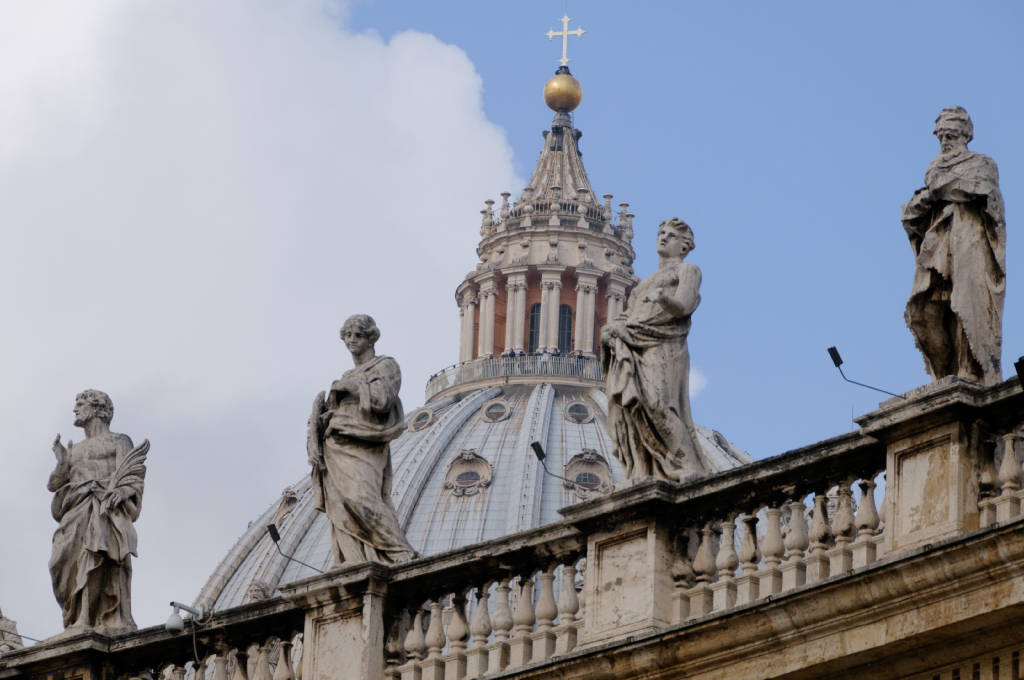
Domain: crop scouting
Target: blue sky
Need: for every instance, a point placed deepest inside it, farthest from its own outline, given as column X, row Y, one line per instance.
column 788, row 135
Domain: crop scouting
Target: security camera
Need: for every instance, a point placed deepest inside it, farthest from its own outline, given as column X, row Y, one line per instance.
column 175, row 624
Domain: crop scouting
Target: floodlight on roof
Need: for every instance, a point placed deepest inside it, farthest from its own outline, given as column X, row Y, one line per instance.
column 838, row 361
column 275, row 536
column 1019, row 365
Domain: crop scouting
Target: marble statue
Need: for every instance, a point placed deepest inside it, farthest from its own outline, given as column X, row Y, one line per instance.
column 348, row 443
column 958, row 233
column 97, row 495
column 647, row 366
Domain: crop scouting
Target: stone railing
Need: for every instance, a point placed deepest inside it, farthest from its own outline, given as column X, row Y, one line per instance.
column 809, row 561
column 520, row 368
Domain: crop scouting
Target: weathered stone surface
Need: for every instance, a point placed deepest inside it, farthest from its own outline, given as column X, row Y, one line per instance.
column 957, row 229
column 647, row 367
column 348, row 446
column 9, row 638
column 97, row 487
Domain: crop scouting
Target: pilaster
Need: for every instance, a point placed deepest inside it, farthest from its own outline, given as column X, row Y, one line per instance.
column 485, row 336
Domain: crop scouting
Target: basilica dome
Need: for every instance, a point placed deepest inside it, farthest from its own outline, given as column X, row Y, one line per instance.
column 555, row 267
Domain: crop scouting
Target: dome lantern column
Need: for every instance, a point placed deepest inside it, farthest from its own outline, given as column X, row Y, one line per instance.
column 488, row 295
column 467, row 313
column 551, row 296
column 515, row 322
column 586, row 297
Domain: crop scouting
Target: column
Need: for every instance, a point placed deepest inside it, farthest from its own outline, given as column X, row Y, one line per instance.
column 616, row 296
column 516, row 320
column 554, row 286
column 542, row 333
column 467, row 311
column 485, row 344
column 586, row 298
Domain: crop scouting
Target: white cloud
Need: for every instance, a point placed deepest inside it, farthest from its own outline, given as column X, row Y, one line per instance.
column 698, row 381
column 194, row 196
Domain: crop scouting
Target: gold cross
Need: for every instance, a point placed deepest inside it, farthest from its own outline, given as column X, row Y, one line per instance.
column 565, row 33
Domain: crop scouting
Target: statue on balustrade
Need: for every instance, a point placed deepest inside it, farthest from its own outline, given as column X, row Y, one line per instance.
column 97, row 487
column 348, row 444
column 958, row 232
column 647, row 367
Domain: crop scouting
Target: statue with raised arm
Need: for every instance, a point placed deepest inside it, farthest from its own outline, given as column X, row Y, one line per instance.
column 957, row 229
column 97, row 495
column 647, row 367
column 348, row 444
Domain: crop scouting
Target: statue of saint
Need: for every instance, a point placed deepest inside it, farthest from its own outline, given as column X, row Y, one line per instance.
column 97, row 487
column 348, row 444
column 958, row 233
column 647, row 367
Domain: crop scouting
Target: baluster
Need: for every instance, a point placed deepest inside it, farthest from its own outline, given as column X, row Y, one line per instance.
column 458, row 634
column 701, row 595
column 724, row 590
column 864, row 552
column 820, row 536
column 297, row 655
column 220, row 665
column 284, row 669
column 748, row 587
column 581, row 615
column 841, row 556
column 433, row 665
column 415, row 646
column 241, row 666
column 497, row 651
column 520, row 648
column 883, row 516
column 773, row 549
column 568, row 605
column 794, row 571
column 683, row 578
column 261, row 670
column 987, row 481
column 201, row 667
column 547, row 612
column 1007, row 503
column 177, row 672
column 480, row 627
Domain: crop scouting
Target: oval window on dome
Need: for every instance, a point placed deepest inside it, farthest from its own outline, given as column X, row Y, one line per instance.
column 588, row 480
column 495, row 411
column 468, row 474
column 578, row 412
column 421, row 419
column 467, row 478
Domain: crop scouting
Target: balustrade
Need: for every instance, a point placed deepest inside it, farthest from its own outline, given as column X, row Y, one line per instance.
column 506, row 623
column 269, row 658
column 522, row 366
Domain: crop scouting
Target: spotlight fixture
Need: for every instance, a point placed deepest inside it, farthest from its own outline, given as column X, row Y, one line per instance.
column 275, row 536
column 538, row 451
column 838, row 361
column 1019, row 365
column 175, row 624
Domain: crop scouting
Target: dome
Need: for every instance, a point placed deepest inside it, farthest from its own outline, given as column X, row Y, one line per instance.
column 463, row 473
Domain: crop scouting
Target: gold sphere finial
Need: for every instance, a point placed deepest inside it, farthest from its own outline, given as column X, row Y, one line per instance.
column 563, row 92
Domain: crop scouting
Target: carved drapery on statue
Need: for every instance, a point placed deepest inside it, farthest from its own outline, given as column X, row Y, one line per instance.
column 97, row 487
column 957, row 229
column 647, row 368
column 350, row 431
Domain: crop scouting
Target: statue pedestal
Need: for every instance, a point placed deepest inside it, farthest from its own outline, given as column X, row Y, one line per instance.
column 344, row 628
column 629, row 587
column 931, row 465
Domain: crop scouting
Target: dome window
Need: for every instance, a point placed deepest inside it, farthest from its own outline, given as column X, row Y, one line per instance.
column 468, row 474
column 495, row 411
column 420, row 419
column 578, row 412
column 587, row 474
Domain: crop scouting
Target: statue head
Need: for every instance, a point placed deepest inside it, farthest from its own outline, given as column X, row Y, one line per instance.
column 675, row 238
column 359, row 333
column 954, row 129
column 93, row 404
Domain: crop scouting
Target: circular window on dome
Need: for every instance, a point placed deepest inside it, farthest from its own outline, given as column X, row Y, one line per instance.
column 587, row 473
column 468, row 474
column 420, row 419
column 496, row 410
column 578, row 412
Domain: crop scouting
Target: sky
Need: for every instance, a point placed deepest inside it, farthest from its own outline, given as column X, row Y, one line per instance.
column 194, row 196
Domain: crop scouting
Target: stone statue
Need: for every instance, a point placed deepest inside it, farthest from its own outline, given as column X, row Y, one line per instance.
column 97, row 487
column 348, row 444
column 958, row 233
column 647, row 367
